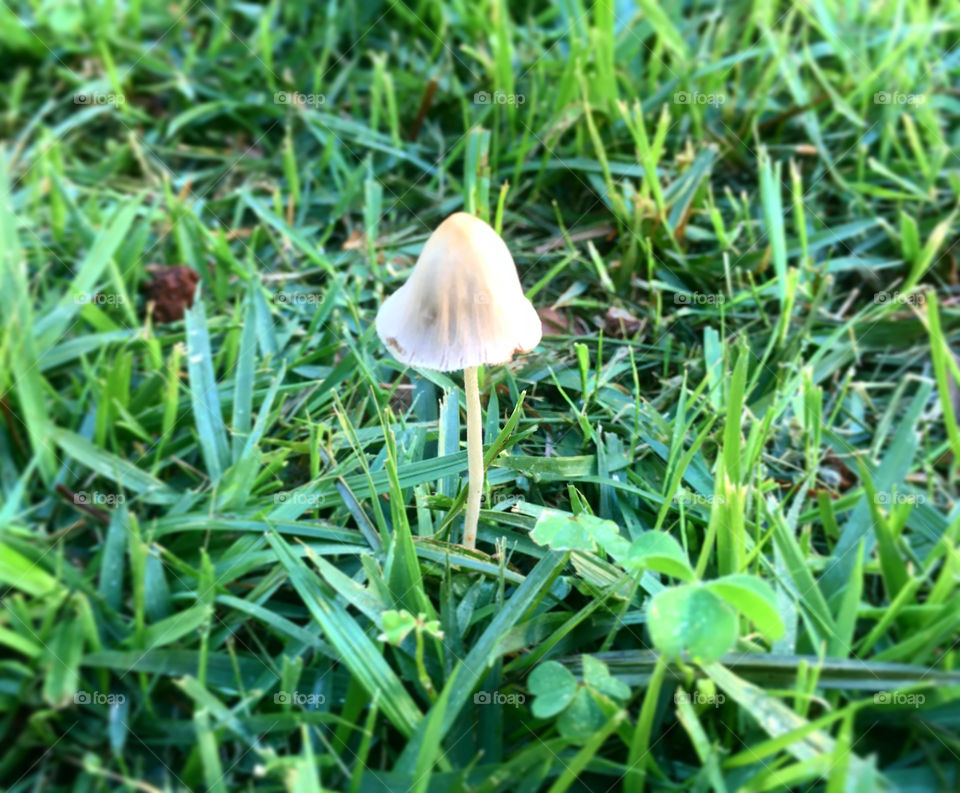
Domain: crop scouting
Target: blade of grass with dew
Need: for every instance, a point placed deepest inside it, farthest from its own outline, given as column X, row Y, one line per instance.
column 359, row 654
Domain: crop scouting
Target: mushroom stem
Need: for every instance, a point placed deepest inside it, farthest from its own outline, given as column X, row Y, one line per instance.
column 474, row 456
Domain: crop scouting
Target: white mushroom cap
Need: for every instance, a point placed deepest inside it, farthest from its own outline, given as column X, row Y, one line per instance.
column 463, row 304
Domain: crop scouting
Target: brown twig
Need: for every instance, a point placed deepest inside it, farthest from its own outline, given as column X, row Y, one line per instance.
column 71, row 497
column 12, row 427
column 424, row 109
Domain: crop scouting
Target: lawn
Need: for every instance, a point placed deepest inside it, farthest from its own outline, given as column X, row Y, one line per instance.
column 719, row 536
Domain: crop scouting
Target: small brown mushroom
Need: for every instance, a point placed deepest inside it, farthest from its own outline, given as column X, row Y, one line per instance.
column 461, row 307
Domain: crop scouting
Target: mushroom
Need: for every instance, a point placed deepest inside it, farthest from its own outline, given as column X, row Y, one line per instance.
column 461, row 307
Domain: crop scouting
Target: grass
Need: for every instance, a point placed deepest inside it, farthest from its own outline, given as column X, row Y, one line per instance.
column 719, row 543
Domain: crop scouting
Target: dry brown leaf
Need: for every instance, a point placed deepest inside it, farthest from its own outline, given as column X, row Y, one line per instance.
column 171, row 289
column 355, row 242
column 620, row 323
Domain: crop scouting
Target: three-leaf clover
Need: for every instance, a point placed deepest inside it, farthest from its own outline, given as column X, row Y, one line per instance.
column 583, row 707
column 702, row 619
column 397, row 625
column 653, row 550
